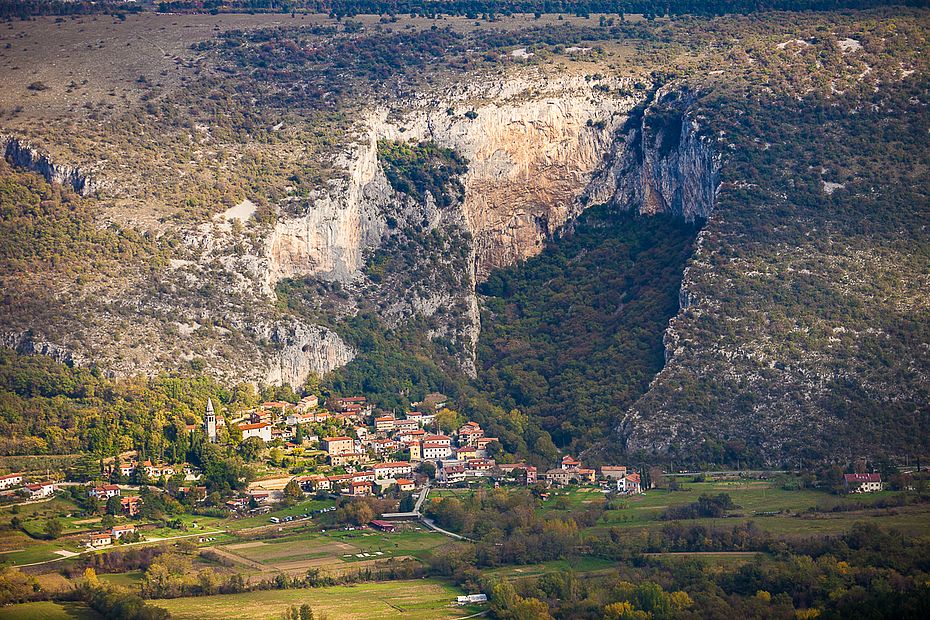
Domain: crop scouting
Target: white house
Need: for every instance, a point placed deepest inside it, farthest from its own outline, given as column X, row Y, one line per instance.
column 629, row 484
column 41, row 489
column 391, row 471
column 100, row 540
column 10, row 480
column 433, row 451
column 118, row 531
column 862, row 483
column 104, row 492
column 262, row 430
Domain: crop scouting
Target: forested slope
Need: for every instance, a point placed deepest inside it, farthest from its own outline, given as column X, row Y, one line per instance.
column 574, row 336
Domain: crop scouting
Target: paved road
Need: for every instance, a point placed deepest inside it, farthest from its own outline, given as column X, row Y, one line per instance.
column 423, row 494
column 429, row 523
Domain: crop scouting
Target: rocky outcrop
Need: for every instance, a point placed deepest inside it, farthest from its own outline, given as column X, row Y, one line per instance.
column 29, row 343
column 22, row 154
column 661, row 163
column 299, row 350
column 532, row 146
column 540, row 149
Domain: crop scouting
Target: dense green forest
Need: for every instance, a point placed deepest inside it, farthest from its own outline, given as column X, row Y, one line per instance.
column 473, row 8
column 418, row 168
column 49, row 407
column 573, row 336
column 432, row 8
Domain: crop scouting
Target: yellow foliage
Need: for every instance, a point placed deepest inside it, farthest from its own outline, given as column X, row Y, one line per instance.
column 90, row 576
column 680, row 600
column 624, row 611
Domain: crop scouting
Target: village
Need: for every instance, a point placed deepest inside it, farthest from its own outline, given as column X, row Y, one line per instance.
column 346, row 448
column 362, row 452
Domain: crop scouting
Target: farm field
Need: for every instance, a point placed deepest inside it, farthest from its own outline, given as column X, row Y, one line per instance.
column 766, row 503
column 333, row 552
column 18, row 548
column 422, row 599
column 581, row 566
column 48, row 610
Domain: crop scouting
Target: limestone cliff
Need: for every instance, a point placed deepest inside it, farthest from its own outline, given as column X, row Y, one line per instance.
column 24, row 155
column 532, row 145
column 661, row 163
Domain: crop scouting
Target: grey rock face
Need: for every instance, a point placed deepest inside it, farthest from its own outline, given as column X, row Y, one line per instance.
column 23, row 155
column 660, row 163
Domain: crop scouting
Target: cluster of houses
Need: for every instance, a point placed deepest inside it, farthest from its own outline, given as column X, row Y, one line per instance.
column 379, row 452
column 571, row 471
column 281, row 420
column 129, row 505
column 12, row 485
column 456, row 457
column 129, row 465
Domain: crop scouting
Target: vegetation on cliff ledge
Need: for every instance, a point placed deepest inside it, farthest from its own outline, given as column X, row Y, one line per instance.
column 418, row 168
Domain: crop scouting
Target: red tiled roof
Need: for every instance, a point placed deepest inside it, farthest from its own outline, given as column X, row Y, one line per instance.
column 862, row 477
column 249, row 427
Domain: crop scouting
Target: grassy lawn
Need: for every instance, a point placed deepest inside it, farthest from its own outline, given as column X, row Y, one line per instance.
column 338, row 546
column 128, row 580
column 754, row 498
column 304, row 507
column 725, row 559
column 48, row 610
column 580, row 566
column 21, row 549
column 421, row 599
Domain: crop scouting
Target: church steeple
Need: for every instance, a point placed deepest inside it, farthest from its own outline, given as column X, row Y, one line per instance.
column 209, row 422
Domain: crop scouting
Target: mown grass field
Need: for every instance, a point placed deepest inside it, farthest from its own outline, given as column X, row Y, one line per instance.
column 796, row 511
column 333, row 551
column 48, row 610
column 421, row 599
column 18, row 548
column 586, row 566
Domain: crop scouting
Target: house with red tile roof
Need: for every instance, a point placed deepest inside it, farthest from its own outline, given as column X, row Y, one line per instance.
column 862, row 483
